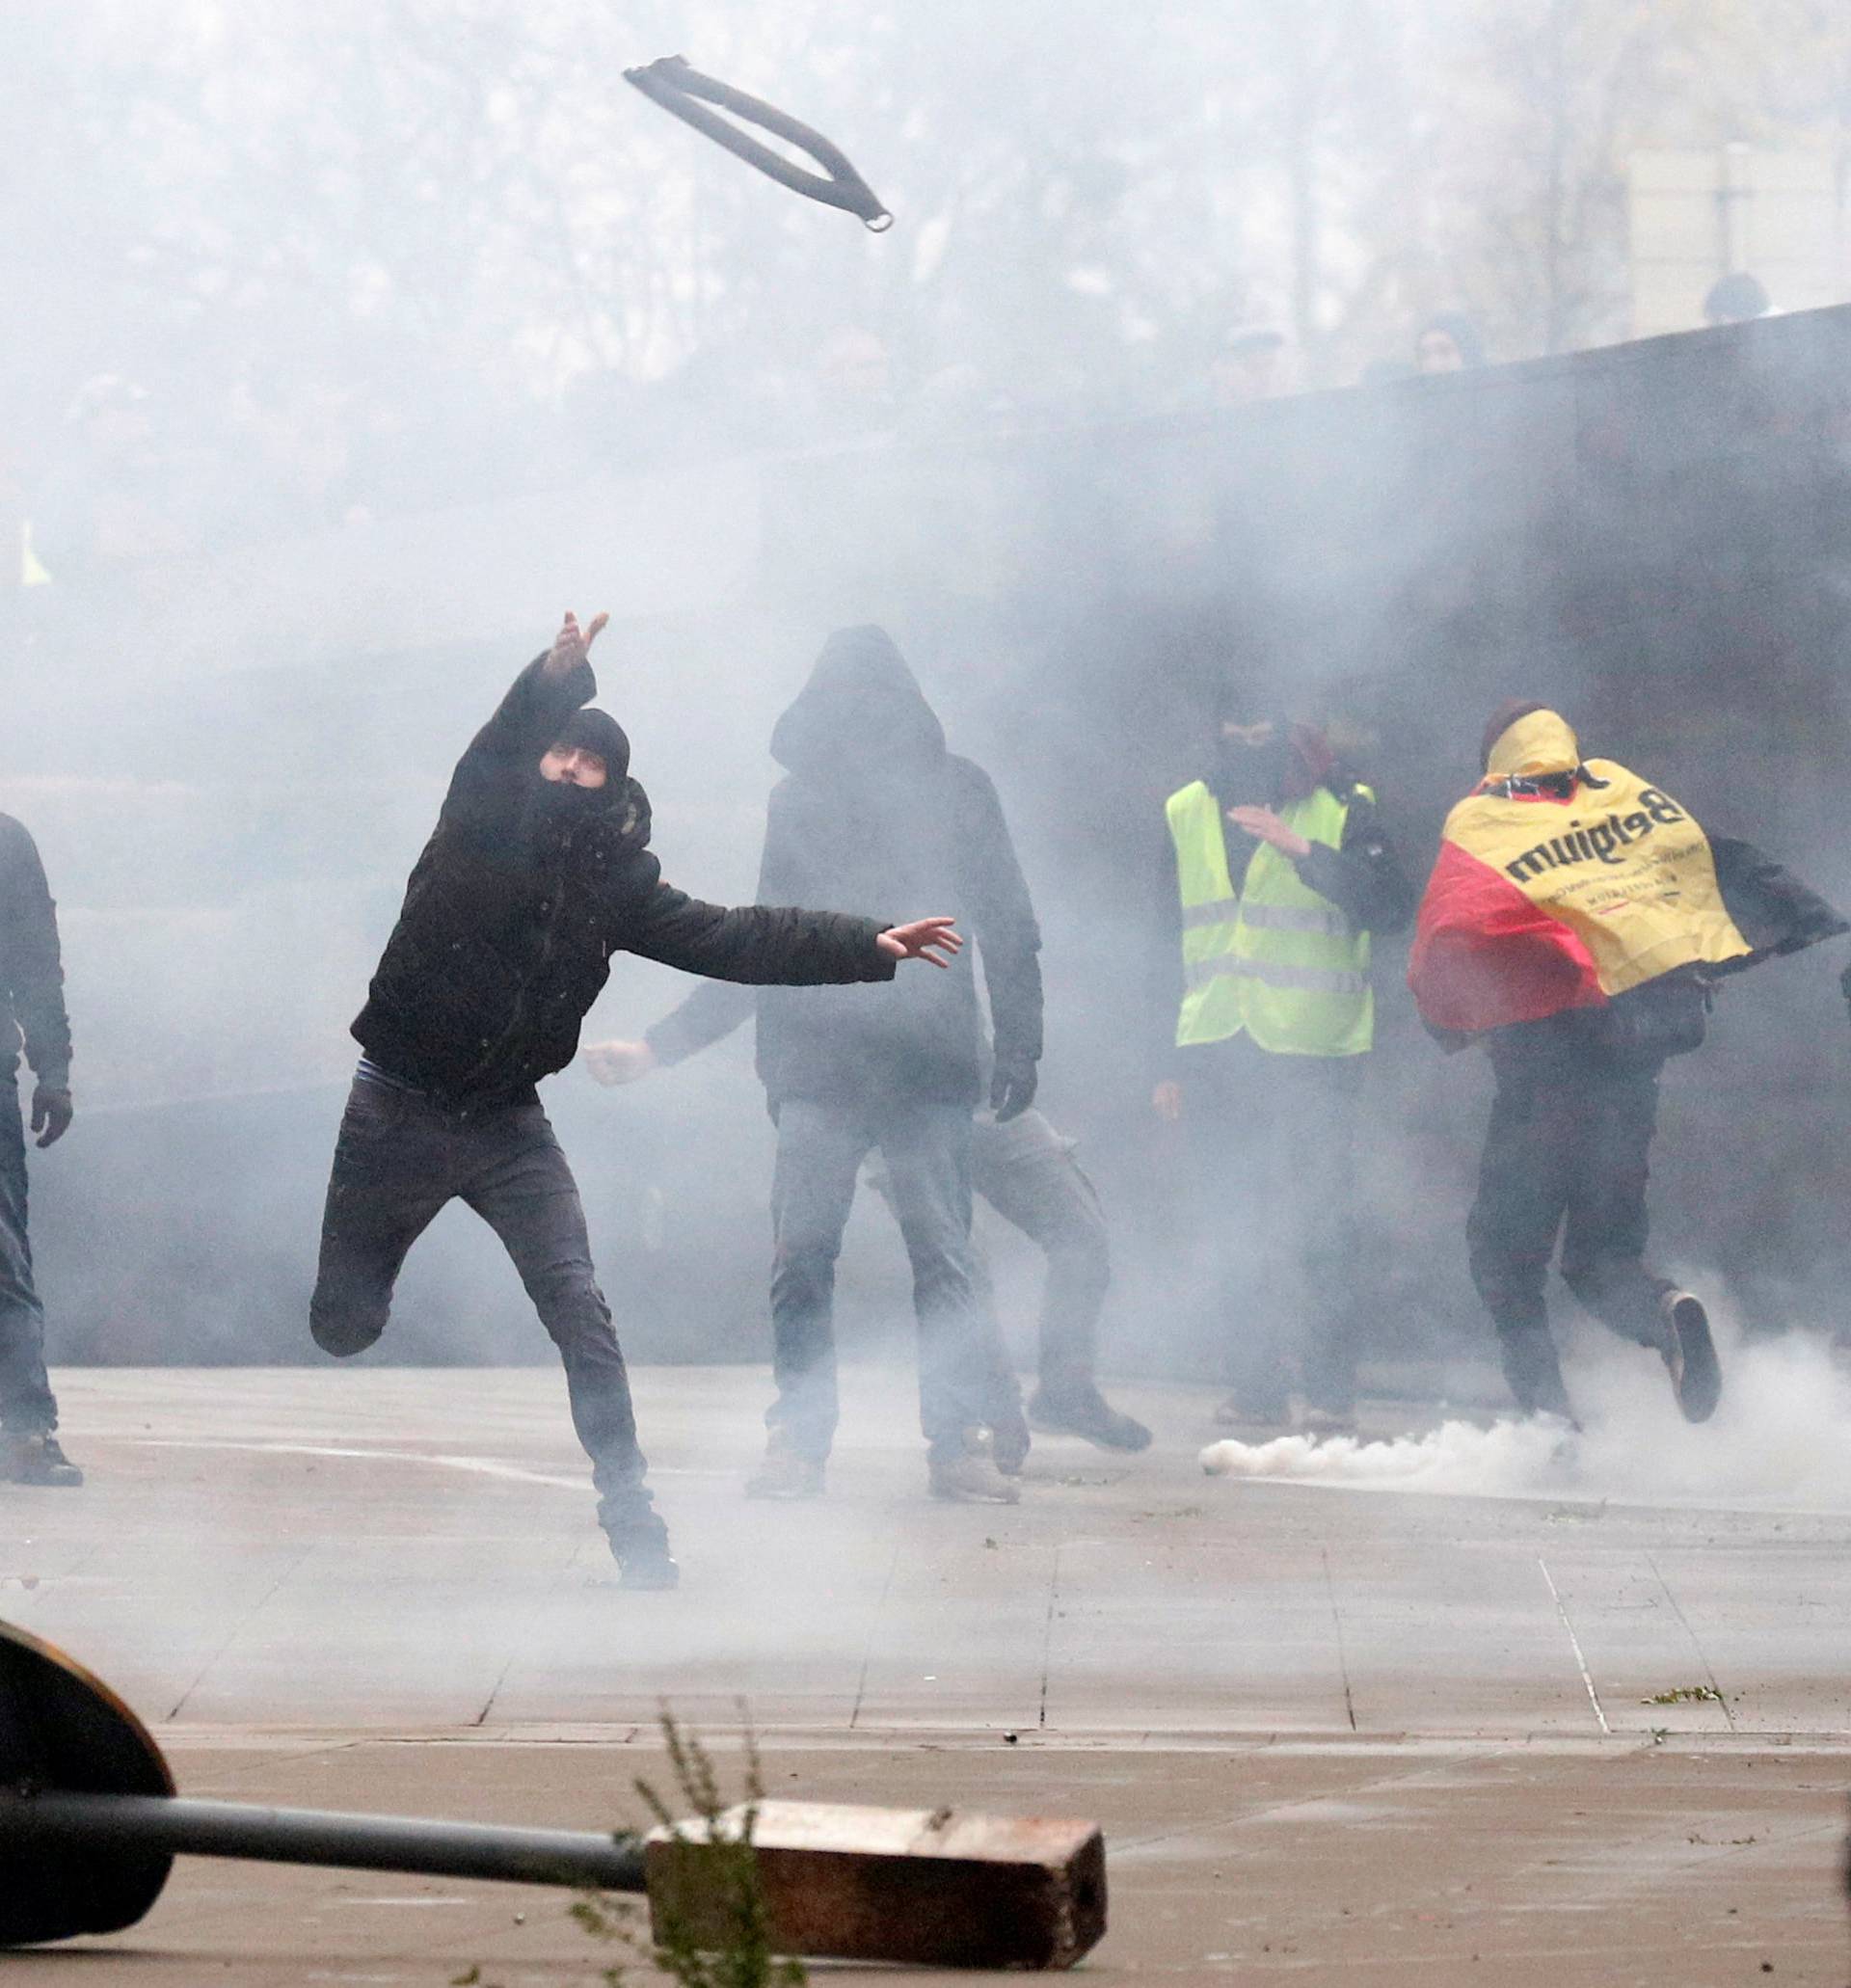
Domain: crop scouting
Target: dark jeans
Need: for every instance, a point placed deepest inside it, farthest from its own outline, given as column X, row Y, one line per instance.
column 1275, row 1145
column 26, row 1403
column 1567, row 1145
column 926, row 1149
column 399, row 1159
column 1028, row 1173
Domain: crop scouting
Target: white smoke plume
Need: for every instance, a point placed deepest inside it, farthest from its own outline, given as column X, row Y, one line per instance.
column 1776, row 1443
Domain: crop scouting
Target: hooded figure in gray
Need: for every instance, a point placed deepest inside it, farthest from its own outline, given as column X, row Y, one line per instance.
column 874, row 802
column 873, row 799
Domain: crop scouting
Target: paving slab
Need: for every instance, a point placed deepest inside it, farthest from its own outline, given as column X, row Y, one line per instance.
column 1332, row 1733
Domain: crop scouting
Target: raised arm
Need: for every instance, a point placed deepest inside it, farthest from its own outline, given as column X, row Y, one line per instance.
column 491, row 776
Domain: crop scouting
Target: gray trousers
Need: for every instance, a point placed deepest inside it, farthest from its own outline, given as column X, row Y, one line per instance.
column 1027, row 1171
column 926, row 1149
column 26, row 1403
column 400, row 1158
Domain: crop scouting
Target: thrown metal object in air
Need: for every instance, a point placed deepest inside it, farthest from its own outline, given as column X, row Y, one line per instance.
column 89, row 1826
column 684, row 92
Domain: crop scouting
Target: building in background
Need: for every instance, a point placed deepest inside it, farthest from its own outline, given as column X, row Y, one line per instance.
column 1699, row 217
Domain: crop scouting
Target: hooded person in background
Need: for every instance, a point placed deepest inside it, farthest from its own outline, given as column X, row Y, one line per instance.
column 32, row 1016
column 538, row 870
column 1275, row 872
column 1576, row 923
column 874, row 802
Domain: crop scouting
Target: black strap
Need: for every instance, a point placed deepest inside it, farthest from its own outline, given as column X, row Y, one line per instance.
column 673, row 85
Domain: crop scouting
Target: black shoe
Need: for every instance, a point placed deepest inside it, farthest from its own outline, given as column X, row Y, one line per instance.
column 1086, row 1411
column 639, row 1545
column 647, row 1567
column 968, row 1474
column 1689, row 1355
column 1009, row 1442
column 35, row 1458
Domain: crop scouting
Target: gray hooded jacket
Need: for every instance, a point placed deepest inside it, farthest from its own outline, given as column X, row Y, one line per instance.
column 874, row 810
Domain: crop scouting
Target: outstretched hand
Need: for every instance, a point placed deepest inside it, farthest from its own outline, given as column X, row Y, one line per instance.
column 618, row 1061
column 571, row 645
column 935, row 939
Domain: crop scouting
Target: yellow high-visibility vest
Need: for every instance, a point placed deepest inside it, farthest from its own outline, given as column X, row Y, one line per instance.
column 1273, row 958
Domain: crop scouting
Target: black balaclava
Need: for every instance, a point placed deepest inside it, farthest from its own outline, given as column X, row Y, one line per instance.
column 560, row 805
column 592, row 729
column 1253, row 775
column 1248, row 776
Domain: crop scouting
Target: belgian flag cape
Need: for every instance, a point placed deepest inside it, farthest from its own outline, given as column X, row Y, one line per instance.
column 1561, row 883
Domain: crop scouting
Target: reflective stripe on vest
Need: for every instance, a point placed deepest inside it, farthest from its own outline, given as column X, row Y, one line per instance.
column 1276, row 961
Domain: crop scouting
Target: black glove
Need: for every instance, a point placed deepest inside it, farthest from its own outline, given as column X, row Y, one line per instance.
column 51, row 1113
column 1012, row 1086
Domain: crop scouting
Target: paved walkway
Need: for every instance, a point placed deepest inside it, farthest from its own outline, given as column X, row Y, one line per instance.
column 1332, row 1733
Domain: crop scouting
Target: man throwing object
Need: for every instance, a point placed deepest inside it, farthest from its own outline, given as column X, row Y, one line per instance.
column 538, row 870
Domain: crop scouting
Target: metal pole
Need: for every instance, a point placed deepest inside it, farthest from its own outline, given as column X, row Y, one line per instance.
column 173, row 1826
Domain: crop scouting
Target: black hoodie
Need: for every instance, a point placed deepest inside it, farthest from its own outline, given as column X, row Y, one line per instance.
column 876, row 810
column 526, row 890
column 32, row 979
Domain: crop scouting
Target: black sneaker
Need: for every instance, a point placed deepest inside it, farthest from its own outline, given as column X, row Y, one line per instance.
column 968, row 1476
column 35, row 1458
column 648, row 1565
column 1009, row 1442
column 1086, row 1411
column 1689, row 1355
column 638, row 1544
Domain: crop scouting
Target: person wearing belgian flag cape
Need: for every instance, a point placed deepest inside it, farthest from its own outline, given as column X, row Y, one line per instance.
column 1576, row 923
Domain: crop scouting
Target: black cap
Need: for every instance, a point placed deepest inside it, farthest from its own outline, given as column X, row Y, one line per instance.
column 591, row 730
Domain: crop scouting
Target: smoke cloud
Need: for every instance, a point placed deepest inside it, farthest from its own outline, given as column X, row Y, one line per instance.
column 1775, row 1444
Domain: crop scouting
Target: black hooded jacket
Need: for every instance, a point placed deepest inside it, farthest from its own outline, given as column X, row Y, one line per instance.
column 32, row 977
column 876, row 809
column 524, row 893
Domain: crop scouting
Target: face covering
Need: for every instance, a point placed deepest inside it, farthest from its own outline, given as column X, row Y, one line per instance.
column 1252, row 775
column 555, row 808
